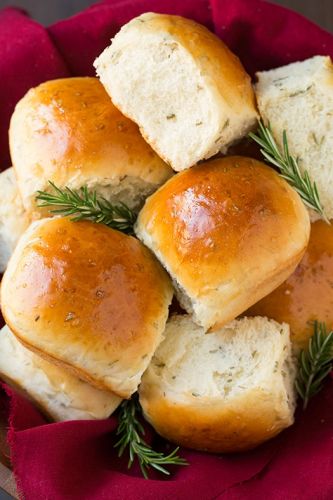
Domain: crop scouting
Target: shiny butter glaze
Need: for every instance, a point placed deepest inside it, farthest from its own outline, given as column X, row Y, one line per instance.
column 87, row 285
column 225, row 218
column 307, row 294
column 68, row 131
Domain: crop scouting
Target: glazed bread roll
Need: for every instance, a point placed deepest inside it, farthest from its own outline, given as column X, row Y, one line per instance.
column 189, row 94
column 68, row 131
column 88, row 298
column 13, row 218
column 58, row 393
column 228, row 232
column 298, row 98
column 224, row 392
column 307, row 294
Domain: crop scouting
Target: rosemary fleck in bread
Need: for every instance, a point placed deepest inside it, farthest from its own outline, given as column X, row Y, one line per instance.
column 307, row 294
column 298, row 98
column 58, row 393
column 89, row 298
column 189, row 94
column 228, row 231
column 13, row 218
column 69, row 132
column 223, row 392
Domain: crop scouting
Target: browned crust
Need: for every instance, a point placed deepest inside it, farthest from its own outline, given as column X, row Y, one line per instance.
column 83, row 375
column 307, row 294
column 69, row 128
column 231, row 220
column 89, row 290
column 213, row 428
column 271, row 282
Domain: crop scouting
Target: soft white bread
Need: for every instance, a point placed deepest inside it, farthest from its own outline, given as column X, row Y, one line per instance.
column 228, row 231
column 223, row 392
column 69, row 132
column 307, row 294
column 87, row 298
column 189, row 94
column 58, row 393
column 298, row 98
column 13, row 218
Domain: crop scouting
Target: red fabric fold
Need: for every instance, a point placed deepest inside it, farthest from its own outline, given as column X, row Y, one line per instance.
column 27, row 58
column 266, row 36
column 83, row 37
column 304, row 465
column 76, row 460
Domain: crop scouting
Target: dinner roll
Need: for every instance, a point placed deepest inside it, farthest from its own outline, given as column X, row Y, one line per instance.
column 224, row 392
column 68, row 131
column 298, row 98
column 228, row 231
column 189, row 94
column 307, row 295
column 58, row 393
column 13, row 218
column 88, row 298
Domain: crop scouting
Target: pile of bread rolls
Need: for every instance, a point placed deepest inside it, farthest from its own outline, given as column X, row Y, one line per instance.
column 87, row 307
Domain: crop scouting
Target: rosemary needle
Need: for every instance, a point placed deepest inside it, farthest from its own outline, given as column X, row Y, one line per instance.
column 130, row 432
column 315, row 363
column 81, row 204
column 288, row 167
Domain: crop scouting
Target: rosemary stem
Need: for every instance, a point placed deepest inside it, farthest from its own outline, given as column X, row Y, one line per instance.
column 84, row 205
column 289, row 167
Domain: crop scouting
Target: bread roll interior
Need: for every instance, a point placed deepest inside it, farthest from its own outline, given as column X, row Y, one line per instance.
column 222, row 392
column 298, row 98
column 13, row 218
column 189, row 94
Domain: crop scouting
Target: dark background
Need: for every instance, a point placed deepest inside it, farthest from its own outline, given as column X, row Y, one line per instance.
column 48, row 11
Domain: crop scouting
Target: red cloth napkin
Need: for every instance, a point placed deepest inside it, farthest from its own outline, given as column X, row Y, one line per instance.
column 27, row 58
column 76, row 460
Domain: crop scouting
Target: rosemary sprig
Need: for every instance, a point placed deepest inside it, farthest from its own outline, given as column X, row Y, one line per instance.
column 82, row 204
column 131, row 432
column 315, row 363
column 288, row 167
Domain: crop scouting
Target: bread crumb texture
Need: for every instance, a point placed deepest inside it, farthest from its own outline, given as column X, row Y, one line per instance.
column 298, row 98
column 225, row 391
column 189, row 94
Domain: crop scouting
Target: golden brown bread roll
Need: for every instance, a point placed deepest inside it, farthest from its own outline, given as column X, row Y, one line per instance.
column 307, row 294
column 88, row 298
column 58, row 393
column 68, row 131
column 189, row 94
column 224, row 392
column 228, row 231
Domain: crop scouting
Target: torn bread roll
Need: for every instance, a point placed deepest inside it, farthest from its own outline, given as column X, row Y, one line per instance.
column 298, row 98
column 13, row 218
column 224, row 392
column 189, row 94
column 91, row 299
column 59, row 394
column 307, row 295
column 228, row 231
column 68, row 131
